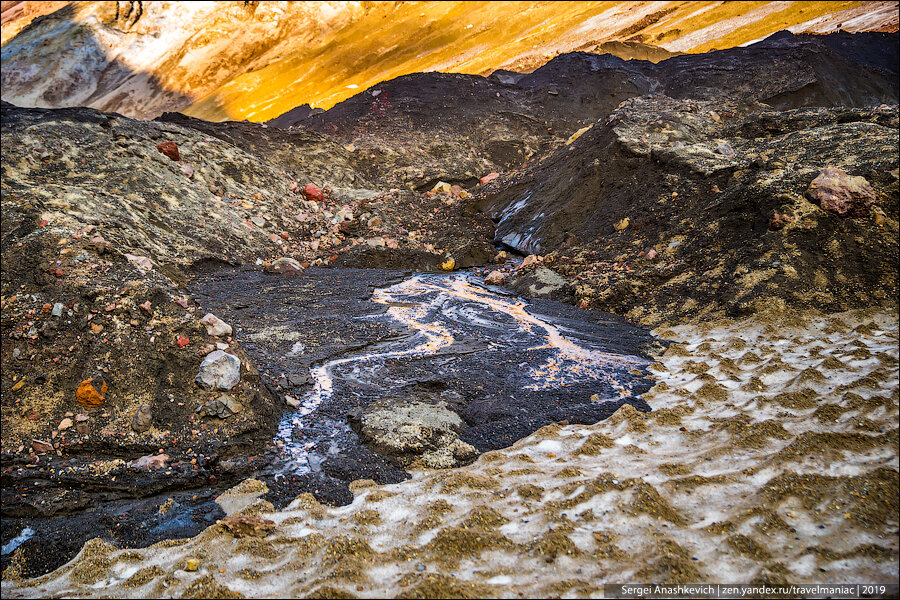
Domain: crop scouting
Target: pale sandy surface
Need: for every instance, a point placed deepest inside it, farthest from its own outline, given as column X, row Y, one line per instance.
column 771, row 455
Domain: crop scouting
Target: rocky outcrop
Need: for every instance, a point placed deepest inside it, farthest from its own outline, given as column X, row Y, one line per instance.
column 418, row 433
column 647, row 215
column 458, row 128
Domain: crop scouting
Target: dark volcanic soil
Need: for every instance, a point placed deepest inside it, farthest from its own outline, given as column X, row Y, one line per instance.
column 672, row 202
column 481, row 375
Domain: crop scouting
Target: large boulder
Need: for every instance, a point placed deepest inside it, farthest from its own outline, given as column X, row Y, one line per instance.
column 417, row 433
column 846, row 195
column 219, row 370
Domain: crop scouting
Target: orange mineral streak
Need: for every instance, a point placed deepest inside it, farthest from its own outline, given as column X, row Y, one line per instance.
column 461, row 289
column 256, row 61
column 87, row 394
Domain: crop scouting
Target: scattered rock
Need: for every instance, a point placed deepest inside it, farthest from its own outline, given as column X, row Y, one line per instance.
column 623, row 224
column 170, row 149
column 41, row 446
column 215, row 326
column 495, row 278
column 285, row 266
column 57, row 309
column 488, row 178
column 725, row 149
column 142, row 263
column 779, row 220
column 840, row 193
column 529, row 260
column 448, row 264
column 417, row 432
column 150, row 461
column 65, row 424
column 219, row 370
column 244, row 526
column 182, row 341
column 441, row 187
column 91, row 392
column 222, row 407
column 187, row 170
column 313, row 193
column 191, row 564
column 142, row 419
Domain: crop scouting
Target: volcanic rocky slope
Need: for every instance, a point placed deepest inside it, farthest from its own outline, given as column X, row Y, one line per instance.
column 671, row 209
column 422, row 128
column 684, row 199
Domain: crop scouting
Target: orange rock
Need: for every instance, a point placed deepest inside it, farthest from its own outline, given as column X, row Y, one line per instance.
column 88, row 394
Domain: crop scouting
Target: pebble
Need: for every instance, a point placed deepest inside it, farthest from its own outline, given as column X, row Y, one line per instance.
column 286, row 266
column 150, row 461
column 143, row 419
column 495, row 278
column 725, row 149
column 215, row 326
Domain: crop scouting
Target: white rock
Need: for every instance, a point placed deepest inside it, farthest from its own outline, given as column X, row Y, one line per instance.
column 219, row 370
column 215, row 326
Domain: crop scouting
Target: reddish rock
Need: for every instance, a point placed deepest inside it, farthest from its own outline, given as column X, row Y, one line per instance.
column 91, row 392
column 779, row 220
column 150, row 461
column 846, row 195
column 170, row 149
column 489, row 177
column 182, row 341
column 244, row 526
column 41, row 446
column 651, row 254
column 313, row 192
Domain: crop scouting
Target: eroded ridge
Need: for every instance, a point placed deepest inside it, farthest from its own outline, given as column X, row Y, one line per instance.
column 771, row 455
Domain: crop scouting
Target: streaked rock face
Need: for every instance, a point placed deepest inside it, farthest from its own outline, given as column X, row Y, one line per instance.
column 237, row 60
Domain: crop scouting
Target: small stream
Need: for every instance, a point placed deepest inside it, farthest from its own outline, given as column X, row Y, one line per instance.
column 454, row 315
